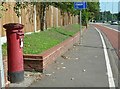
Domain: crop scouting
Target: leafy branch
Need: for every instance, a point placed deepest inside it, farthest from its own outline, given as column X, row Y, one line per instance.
column 2, row 9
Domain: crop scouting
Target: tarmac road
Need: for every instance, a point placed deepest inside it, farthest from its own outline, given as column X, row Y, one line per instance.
column 113, row 26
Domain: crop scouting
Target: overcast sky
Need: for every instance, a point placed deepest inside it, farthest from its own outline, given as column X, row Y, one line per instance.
column 109, row 5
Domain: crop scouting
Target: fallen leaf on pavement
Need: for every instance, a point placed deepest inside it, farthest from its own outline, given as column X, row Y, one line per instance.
column 62, row 63
column 72, row 78
column 96, row 56
column 84, row 70
column 48, row 74
column 76, row 58
column 63, row 67
column 58, row 68
column 65, row 57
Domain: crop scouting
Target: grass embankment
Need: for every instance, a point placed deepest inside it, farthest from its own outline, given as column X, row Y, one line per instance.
column 41, row 41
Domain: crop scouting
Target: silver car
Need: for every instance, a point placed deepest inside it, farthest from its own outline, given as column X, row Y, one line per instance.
column 114, row 23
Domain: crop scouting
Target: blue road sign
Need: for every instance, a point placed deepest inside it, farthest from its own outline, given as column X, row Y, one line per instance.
column 80, row 5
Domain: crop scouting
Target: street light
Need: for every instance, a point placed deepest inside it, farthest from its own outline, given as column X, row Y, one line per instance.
column 112, row 10
column 105, row 12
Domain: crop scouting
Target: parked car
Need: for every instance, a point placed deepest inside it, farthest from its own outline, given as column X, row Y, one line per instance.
column 114, row 23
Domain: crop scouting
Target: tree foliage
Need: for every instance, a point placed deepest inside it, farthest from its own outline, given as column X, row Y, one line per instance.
column 91, row 12
column 2, row 9
column 108, row 16
column 18, row 6
column 119, row 16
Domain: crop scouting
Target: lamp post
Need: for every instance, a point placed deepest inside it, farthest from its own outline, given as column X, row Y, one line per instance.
column 105, row 12
column 112, row 10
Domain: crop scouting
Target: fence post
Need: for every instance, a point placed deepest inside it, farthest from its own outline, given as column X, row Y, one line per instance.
column 35, row 25
column 51, row 16
column 56, row 17
column 61, row 20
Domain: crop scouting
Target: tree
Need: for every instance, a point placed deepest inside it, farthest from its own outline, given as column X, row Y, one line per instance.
column 91, row 12
column 93, row 9
column 119, row 16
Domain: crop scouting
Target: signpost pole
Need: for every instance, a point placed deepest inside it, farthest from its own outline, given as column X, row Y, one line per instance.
column 80, row 27
column 80, row 6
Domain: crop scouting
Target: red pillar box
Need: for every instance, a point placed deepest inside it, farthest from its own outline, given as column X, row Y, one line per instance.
column 14, row 50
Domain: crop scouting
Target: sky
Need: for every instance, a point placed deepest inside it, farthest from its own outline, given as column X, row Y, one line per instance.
column 109, row 5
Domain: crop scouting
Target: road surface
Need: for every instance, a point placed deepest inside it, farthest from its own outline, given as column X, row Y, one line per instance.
column 112, row 26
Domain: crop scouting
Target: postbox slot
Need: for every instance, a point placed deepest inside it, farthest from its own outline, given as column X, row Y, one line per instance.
column 20, row 34
column 21, row 42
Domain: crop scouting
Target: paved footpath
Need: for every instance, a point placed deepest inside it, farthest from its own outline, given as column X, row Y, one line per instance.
column 82, row 66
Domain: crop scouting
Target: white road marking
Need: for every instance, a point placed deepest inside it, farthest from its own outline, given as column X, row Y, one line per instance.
column 109, row 69
column 111, row 28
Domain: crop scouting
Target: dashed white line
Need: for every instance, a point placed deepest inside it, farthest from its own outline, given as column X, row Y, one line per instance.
column 109, row 69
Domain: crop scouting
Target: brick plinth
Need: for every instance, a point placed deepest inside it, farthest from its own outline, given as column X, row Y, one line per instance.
column 41, row 61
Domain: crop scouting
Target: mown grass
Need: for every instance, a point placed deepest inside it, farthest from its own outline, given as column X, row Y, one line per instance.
column 41, row 41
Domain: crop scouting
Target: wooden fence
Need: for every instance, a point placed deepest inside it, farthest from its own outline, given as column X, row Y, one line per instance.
column 28, row 18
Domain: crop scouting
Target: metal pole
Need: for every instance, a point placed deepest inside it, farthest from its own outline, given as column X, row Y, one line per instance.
column 105, row 12
column 2, row 81
column 80, row 27
column 112, row 11
column 102, row 16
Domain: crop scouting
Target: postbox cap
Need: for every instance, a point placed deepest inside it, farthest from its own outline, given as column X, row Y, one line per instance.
column 13, row 26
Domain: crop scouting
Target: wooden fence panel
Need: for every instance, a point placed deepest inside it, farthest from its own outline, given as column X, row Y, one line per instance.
column 48, row 17
column 27, row 19
column 65, row 19
column 38, row 18
column 9, row 16
column 53, row 17
column 69, row 19
column 59, row 18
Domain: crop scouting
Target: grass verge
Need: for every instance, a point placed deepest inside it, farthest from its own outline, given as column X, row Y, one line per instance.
column 36, row 43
